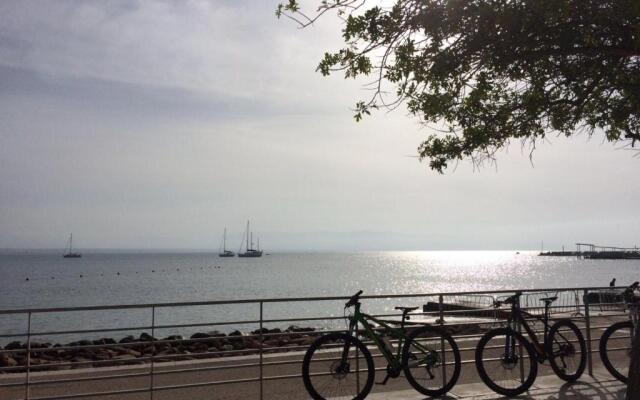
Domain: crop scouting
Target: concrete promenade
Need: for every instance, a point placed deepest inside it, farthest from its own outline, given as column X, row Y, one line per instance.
column 598, row 387
column 601, row 386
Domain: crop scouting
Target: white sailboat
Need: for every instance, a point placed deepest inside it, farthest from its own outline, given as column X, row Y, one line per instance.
column 70, row 253
column 249, row 250
column 224, row 252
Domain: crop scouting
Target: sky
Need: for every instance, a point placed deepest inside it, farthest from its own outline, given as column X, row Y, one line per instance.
column 154, row 125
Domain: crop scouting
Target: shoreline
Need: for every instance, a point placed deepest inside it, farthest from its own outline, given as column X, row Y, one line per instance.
column 131, row 350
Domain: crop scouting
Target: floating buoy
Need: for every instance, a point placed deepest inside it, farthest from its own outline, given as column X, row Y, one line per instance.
column 118, row 273
column 80, row 276
column 26, row 279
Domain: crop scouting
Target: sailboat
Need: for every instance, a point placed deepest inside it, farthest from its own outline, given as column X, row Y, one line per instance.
column 70, row 253
column 225, row 252
column 250, row 251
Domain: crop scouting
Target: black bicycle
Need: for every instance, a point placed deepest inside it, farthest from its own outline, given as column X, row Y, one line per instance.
column 340, row 365
column 617, row 340
column 508, row 363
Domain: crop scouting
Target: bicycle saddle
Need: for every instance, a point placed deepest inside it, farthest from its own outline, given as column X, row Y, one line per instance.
column 406, row 309
column 549, row 300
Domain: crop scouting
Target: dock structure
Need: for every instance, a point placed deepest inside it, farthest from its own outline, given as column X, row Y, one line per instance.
column 607, row 252
column 597, row 252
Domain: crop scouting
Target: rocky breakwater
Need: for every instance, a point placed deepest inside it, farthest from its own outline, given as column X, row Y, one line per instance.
column 131, row 350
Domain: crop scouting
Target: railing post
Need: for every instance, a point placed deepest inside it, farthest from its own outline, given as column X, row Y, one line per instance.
column 441, row 322
column 261, row 348
column 27, row 382
column 520, row 352
column 587, row 321
column 153, row 350
column 440, row 310
column 358, row 362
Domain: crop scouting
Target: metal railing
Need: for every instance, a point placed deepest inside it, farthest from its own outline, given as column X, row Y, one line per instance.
column 152, row 365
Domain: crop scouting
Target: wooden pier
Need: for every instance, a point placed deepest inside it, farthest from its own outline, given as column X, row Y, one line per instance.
column 596, row 252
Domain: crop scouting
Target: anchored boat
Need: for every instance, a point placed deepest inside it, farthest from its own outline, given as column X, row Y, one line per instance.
column 249, row 250
column 224, row 252
column 70, row 253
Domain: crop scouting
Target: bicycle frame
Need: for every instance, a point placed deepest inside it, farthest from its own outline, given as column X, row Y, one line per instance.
column 517, row 318
column 394, row 361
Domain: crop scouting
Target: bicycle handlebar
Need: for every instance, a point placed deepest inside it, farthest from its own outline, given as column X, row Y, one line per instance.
column 353, row 300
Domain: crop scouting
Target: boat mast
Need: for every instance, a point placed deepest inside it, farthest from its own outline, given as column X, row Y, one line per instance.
column 247, row 235
column 224, row 240
column 70, row 242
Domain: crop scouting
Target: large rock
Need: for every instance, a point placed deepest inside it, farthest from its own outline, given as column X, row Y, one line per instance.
column 7, row 361
column 235, row 337
column 145, row 337
column 200, row 335
column 259, row 331
column 200, row 347
column 104, row 341
column 127, row 339
column 130, row 352
column 298, row 329
column 226, row 347
column 13, row 346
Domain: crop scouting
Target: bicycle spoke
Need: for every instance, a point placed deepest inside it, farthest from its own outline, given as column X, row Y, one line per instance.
column 329, row 375
column 431, row 361
column 507, row 365
column 618, row 350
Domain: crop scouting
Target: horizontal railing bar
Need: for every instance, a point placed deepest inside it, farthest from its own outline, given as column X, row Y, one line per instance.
column 88, row 378
column 486, row 320
column 290, row 299
column 92, row 394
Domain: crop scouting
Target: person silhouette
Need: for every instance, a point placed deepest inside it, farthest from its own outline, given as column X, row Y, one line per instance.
column 612, row 283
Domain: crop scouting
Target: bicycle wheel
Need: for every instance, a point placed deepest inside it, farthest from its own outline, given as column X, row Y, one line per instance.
column 615, row 349
column 506, row 362
column 326, row 374
column 567, row 350
column 431, row 361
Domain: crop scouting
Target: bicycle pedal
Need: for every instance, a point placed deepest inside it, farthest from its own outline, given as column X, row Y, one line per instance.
column 384, row 381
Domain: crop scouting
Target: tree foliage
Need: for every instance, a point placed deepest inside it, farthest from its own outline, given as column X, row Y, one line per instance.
column 482, row 73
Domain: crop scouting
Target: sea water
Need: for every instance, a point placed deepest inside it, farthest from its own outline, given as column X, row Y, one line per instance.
column 45, row 279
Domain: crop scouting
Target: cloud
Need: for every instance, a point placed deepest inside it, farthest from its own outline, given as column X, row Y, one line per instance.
column 220, row 49
column 137, row 123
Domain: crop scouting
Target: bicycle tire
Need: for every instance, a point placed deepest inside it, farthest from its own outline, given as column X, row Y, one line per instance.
column 406, row 355
column 526, row 346
column 558, row 369
column 326, row 341
column 604, row 355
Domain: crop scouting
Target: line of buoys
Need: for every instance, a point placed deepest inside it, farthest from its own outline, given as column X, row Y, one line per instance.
column 153, row 271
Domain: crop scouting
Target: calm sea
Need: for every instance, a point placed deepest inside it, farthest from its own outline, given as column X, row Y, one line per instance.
column 133, row 278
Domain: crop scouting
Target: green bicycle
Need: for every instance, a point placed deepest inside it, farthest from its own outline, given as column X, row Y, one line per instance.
column 339, row 365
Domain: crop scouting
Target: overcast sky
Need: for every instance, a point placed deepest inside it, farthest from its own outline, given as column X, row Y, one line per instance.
column 157, row 124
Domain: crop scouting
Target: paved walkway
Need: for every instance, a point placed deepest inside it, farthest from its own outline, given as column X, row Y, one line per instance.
column 598, row 387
